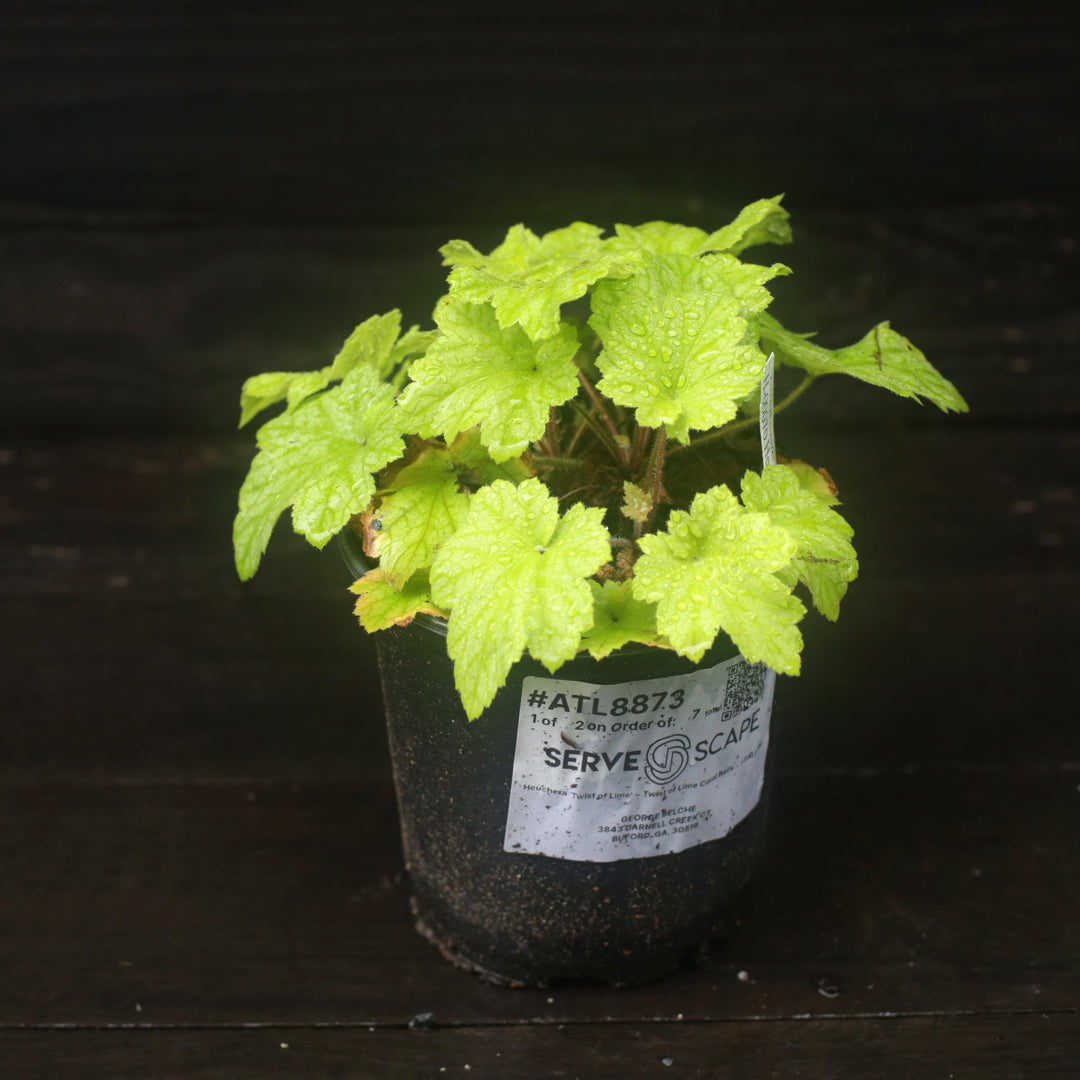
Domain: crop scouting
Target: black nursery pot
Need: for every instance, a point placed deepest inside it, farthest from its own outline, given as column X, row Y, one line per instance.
column 522, row 918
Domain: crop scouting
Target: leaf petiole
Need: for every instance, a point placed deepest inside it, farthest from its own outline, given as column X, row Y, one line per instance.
column 598, row 402
column 600, row 431
column 641, row 441
column 746, row 422
column 557, row 462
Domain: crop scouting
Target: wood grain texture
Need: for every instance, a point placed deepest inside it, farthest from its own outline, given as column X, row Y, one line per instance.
column 933, row 676
column 132, row 649
column 202, row 874
column 963, row 503
column 418, row 111
column 928, row 892
column 1034, row 1047
column 139, row 332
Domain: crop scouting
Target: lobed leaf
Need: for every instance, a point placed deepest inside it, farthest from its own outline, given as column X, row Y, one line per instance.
column 825, row 561
column 715, row 568
column 261, row 391
column 478, row 374
column 319, row 459
column 424, row 507
column 817, row 481
column 883, row 358
column 374, row 343
column 637, row 504
column 762, row 222
column 528, row 278
column 414, row 342
column 470, row 455
column 674, row 339
column 381, row 604
column 661, row 238
column 370, row 344
column 618, row 619
column 513, row 577
column 263, row 499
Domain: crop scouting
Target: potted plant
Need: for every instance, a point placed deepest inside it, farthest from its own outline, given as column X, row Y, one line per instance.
column 569, row 526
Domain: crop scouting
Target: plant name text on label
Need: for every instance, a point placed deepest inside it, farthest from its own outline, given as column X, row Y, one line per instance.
column 636, row 769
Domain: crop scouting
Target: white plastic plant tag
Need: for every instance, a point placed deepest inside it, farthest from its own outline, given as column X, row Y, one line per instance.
column 765, row 414
column 636, row 769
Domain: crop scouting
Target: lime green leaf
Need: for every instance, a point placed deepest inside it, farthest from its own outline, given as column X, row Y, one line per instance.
column 528, row 278
column 714, row 568
column 817, row 481
column 263, row 499
column 424, row 507
column 660, row 237
column 468, row 452
column 370, row 344
column 618, row 618
column 462, row 253
column 514, row 577
column 762, row 222
column 374, row 343
column 883, row 358
column 477, row 373
column 261, row 391
column 674, row 339
column 637, row 504
column 414, row 342
column 745, row 280
column 318, row 459
column 381, row 605
column 310, row 382
column 825, row 561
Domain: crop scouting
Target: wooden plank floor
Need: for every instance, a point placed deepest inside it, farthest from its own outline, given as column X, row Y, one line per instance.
column 254, row 929
column 201, row 872
column 284, row 905
column 198, row 828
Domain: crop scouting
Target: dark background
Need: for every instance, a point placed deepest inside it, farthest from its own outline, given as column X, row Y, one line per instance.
column 194, row 794
column 438, row 113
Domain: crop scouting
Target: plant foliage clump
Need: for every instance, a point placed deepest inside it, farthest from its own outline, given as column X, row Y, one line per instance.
column 568, row 461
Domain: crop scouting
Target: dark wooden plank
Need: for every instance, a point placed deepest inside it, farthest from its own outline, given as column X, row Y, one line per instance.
column 900, row 893
column 121, row 605
column 931, row 674
column 155, row 331
column 1032, row 1047
column 196, row 821
column 412, row 111
column 961, row 503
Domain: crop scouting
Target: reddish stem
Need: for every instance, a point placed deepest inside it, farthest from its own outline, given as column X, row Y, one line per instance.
column 598, row 403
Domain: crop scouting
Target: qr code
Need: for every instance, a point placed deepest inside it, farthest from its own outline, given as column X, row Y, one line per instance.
column 745, row 688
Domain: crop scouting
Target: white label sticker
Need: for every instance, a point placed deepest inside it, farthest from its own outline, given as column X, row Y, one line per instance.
column 650, row 767
column 765, row 414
